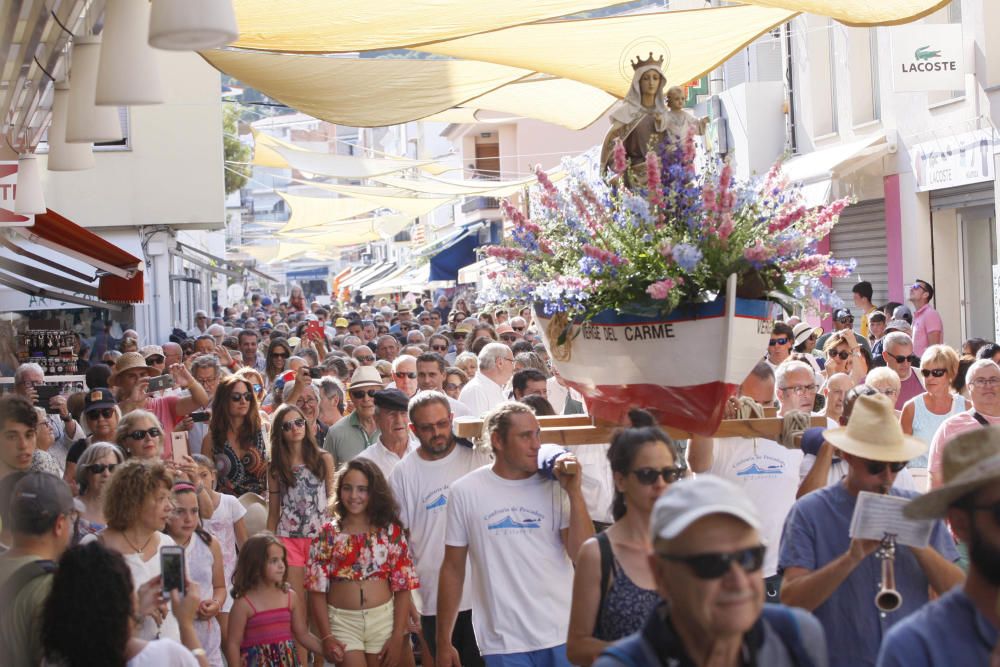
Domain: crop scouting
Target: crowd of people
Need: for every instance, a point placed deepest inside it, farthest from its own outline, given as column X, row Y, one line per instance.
column 306, row 463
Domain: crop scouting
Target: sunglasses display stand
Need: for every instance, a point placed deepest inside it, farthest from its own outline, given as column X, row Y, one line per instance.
column 582, row 430
column 52, row 349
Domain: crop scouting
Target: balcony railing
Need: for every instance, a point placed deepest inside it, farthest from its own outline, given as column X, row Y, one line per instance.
column 472, row 204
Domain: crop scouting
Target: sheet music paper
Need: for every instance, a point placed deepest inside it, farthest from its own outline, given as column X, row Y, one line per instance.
column 876, row 514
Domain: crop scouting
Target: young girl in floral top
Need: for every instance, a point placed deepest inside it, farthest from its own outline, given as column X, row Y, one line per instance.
column 300, row 479
column 361, row 572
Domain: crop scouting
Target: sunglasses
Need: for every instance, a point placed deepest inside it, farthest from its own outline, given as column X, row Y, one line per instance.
column 280, row 355
column 900, row 358
column 452, row 386
column 98, row 468
column 845, row 320
column 713, row 566
column 439, row 348
column 648, row 476
column 458, row 335
column 508, row 338
column 518, row 328
column 154, row 360
column 918, row 286
column 101, row 412
column 936, row 372
column 236, row 396
column 777, row 341
column 412, row 375
column 843, row 354
column 293, row 423
column 876, row 467
column 358, row 394
column 141, row 435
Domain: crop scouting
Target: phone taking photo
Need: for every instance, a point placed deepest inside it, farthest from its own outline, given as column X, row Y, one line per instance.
column 179, row 446
column 172, row 570
column 159, row 383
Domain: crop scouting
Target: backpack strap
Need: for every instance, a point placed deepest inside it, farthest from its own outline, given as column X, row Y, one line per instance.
column 628, row 651
column 781, row 619
column 607, row 556
column 24, row 576
column 979, row 418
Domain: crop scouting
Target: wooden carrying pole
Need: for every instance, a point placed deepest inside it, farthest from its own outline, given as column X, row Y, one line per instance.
column 580, row 430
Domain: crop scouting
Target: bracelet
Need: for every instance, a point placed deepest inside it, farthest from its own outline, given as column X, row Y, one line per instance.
column 329, row 636
column 199, row 652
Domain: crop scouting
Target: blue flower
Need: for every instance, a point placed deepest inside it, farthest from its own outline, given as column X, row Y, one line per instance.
column 687, row 256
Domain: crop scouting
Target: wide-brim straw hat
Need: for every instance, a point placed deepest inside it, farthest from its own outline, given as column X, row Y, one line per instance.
column 803, row 330
column 127, row 362
column 970, row 461
column 255, row 519
column 873, row 432
column 366, row 376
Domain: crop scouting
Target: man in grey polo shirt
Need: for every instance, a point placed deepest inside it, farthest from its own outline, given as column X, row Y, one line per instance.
column 353, row 434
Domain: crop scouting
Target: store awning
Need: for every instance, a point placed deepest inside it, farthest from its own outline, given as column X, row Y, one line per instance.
column 469, row 275
column 816, row 171
column 388, row 268
column 451, row 253
column 85, row 257
column 339, row 278
column 360, row 274
column 411, row 279
column 206, row 260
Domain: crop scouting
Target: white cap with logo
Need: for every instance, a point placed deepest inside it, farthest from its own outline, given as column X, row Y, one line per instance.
column 693, row 498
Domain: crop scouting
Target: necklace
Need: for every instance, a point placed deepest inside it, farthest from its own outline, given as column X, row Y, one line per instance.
column 137, row 549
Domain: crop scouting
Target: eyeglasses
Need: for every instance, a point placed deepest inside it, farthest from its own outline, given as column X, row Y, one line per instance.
column 293, row 423
column 452, row 386
column 876, row 467
column 713, row 566
column 444, row 424
column 798, row 390
column 236, row 396
column 439, row 348
column 777, row 341
column 30, row 384
column 412, row 375
column 99, row 468
column 982, row 383
column 141, row 435
column 101, row 412
column 842, row 354
column 308, row 400
column 936, row 372
column 358, row 394
column 888, row 392
column 648, row 476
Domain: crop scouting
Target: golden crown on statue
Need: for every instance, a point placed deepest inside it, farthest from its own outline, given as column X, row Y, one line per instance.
column 639, row 62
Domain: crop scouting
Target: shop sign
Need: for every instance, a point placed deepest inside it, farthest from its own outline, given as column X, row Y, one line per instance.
column 8, row 188
column 958, row 159
column 928, row 57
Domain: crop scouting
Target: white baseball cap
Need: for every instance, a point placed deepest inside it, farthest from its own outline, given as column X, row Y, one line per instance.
column 693, row 498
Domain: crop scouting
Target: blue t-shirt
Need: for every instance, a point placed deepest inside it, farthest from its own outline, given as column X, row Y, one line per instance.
column 815, row 533
column 948, row 631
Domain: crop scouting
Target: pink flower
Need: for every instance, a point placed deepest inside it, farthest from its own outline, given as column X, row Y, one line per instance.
column 653, row 179
column 758, row 253
column 620, row 161
column 661, row 288
column 726, row 226
column 786, row 220
column 602, row 255
column 502, row 252
column 667, row 250
column 512, row 212
column 689, row 148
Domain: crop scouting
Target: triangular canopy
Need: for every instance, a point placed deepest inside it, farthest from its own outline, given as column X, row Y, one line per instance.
column 860, row 12
column 399, row 200
column 314, row 211
column 344, row 166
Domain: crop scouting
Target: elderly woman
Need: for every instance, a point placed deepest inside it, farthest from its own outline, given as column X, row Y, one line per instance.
column 93, row 471
column 140, row 436
column 454, row 380
column 100, row 422
column 467, row 362
column 923, row 413
column 885, row 381
column 137, row 503
column 384, row 369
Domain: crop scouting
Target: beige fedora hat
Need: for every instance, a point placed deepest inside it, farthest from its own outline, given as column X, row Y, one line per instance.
column 873, row 432
column 255, row 519
column 366, row 376
column 127, row 362
column 970, row 460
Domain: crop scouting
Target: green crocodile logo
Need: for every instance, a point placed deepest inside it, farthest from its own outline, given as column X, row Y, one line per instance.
column 923, row 54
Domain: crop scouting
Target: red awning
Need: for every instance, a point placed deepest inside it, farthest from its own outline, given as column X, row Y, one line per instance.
column 122, row 280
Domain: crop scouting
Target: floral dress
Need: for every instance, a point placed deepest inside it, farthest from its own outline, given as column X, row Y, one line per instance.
column 381, row 553
column 302, row 505
column 242, row 474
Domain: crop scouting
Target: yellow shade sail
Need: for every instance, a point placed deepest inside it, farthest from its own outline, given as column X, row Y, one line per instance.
column 315, row 211
column 363, row 92
column 353, row 232
column 342, row 26
column 398, row 200
column 265, row 153
column 860, row 12
column 441, row 186
column 564, row 102
column 344, row 166
column 597, row 51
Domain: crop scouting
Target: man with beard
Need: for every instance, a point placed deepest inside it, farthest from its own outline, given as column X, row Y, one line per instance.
column 420, row 484
column 834, row 576
column 960, row 627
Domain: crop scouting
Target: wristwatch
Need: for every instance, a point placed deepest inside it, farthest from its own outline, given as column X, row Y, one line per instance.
column 66, row 418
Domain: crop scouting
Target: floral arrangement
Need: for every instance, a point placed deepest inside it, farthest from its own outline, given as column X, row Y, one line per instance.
column 593, row 244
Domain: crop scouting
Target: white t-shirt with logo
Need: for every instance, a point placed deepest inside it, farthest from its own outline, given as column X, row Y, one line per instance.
column 421, row 488
column 522, row 578
column 769, row 473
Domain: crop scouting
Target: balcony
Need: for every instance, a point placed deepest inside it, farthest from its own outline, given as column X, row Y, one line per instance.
column 475, row 209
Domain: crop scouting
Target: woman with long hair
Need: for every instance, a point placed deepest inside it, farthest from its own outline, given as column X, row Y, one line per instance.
column 235, row 439
column 276, row 359
column 300, row 477
column 92, row 472
column 89, row 616
column 360, row 571
column 644, row 462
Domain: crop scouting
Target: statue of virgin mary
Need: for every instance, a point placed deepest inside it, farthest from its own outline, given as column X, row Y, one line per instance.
column 639, row 116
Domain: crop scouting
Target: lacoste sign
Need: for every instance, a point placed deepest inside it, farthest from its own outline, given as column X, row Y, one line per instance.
column 928, row 57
